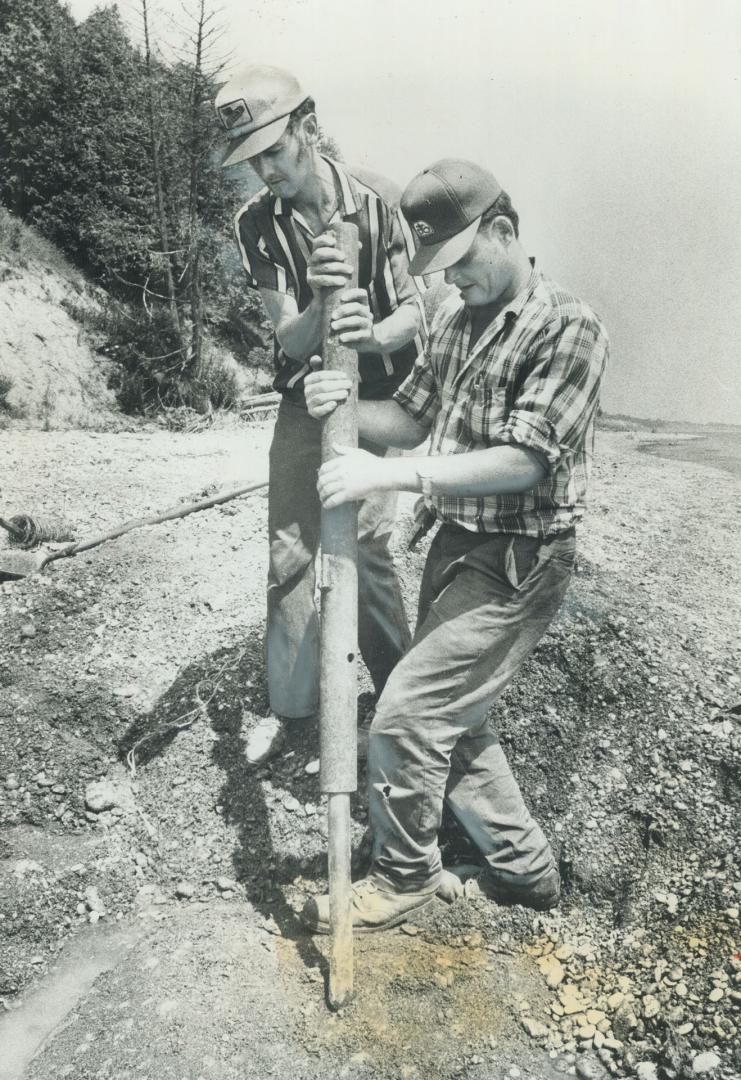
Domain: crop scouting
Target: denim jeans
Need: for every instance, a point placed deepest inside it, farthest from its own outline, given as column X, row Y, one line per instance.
column 485, row 602
column 294, row 519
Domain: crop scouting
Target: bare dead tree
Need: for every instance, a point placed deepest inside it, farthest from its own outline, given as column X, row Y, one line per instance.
column 155, row 137
column 204, row 67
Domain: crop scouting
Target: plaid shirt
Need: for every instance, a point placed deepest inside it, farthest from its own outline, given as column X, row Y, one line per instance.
column 275, row 243
column 532, row 379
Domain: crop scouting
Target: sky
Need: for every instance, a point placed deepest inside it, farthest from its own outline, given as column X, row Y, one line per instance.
column 615, row 125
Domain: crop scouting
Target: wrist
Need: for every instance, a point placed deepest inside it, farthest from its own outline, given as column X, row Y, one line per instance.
column 370, row 344
column 424, row 472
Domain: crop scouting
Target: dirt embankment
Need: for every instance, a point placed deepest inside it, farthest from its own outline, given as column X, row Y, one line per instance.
column 50, row 374
column 623, row 731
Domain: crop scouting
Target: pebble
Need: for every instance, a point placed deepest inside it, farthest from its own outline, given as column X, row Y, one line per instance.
column 534, row 1028
column 185, row 890
column 409, row 929
column 225, row 884
column 553, row 970
column 646, row 1070
column 28, row 630
column 716, row 994
column 12, row 783
column 705, row 1063
column 125, row 691
column 651, row 1006
column 588, row 1068
column 93, row 902
column 564, row 952
column 312, row 768
column 101, row 795
column 291, row 804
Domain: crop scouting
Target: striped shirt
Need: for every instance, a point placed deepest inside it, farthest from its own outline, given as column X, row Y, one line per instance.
column 532, row 379
column 275, row 243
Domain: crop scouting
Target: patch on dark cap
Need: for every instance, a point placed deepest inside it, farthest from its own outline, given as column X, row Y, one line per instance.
column 443, row 204
column 423, row 229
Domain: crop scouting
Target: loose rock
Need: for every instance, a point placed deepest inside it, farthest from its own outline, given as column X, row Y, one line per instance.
column 705, row 1063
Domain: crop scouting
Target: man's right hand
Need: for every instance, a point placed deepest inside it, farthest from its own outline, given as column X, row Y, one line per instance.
column 325, row 390
column 326, row 267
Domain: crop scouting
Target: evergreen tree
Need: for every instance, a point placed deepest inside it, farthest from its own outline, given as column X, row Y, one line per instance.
column 36, row 47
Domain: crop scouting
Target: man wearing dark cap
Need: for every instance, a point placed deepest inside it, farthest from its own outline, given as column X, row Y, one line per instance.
column 288, row 257
column 506, row 392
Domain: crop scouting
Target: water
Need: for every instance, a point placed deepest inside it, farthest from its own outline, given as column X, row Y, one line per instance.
column 720, row 449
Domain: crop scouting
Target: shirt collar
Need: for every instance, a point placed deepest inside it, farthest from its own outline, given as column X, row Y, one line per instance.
column 515, row 306
column 506, row 316
column 347, row 194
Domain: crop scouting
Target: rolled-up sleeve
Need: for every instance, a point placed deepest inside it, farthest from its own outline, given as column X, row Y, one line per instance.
column 559, row 392
column 418, row 395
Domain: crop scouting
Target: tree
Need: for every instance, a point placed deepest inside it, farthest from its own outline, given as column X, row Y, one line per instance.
column 155, row 139
column 36, row 48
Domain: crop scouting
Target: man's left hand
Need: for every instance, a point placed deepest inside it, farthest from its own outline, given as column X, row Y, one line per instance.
column 352, row 321
column 352, row 475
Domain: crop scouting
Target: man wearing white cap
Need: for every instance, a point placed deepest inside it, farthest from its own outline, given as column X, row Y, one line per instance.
column 271, row 122
column 507, row 392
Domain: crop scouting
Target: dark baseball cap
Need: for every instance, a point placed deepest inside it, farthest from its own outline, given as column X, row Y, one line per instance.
column 444, row 204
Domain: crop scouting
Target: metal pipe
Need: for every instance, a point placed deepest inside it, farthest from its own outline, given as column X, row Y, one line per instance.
column 339, row 649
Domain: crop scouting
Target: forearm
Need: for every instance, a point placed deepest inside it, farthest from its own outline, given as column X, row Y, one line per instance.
column 386, row 423
column 300, row 334
column 397, row 330
column 499, row 470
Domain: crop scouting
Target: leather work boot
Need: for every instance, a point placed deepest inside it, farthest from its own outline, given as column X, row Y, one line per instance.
column 541, row 895
column 265, row 740
column 373, row 908
column 467, row 882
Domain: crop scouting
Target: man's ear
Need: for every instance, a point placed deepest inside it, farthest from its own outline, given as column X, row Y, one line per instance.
column 310, row 128
column 504, row 229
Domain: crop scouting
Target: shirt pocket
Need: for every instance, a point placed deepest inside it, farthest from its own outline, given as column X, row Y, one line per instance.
column 484, row 415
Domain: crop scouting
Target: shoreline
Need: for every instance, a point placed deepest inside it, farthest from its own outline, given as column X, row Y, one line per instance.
column 718, row 450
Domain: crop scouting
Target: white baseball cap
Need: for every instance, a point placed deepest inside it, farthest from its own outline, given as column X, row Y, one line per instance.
column 254, row 108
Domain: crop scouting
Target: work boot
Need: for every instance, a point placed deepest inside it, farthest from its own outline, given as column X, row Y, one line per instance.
column 265, row 740
column 540, row 895
column 375, row 906
column 470, row 881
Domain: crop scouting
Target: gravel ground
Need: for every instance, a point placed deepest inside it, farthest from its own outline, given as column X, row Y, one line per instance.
column 137, row 668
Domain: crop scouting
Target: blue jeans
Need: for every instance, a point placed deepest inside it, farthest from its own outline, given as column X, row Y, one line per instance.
column 485, row 602
column 294, row 520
